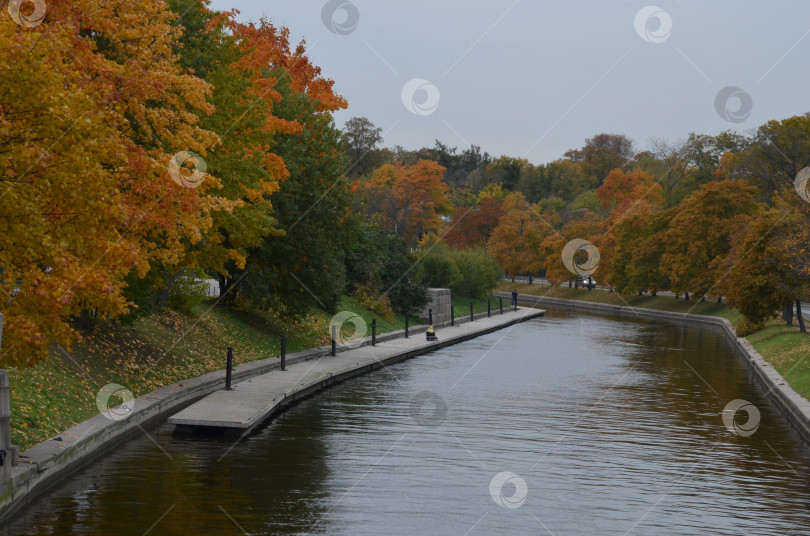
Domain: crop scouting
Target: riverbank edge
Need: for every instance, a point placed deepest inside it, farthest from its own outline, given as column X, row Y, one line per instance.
column 47, row 463
column 793, row 405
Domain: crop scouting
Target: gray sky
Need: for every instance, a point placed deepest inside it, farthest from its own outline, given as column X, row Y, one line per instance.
column 534, row 78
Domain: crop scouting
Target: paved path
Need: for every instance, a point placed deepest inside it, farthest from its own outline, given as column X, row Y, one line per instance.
column 253, row 400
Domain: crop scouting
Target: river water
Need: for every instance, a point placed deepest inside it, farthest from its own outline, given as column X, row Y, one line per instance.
column 565, row 425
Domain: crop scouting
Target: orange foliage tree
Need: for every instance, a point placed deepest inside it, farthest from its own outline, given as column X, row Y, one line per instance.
column 95, row 106
column 410, row 199
column 516, row 242
column 698, row 237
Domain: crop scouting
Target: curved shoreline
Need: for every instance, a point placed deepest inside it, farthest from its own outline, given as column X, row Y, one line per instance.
column 46, row 464
column 793, row 405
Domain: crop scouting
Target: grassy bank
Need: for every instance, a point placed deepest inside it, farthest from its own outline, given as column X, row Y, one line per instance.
column 661, row 303
column 788, row 351
column 784, row 347
column 461, row 305
column 154, row 351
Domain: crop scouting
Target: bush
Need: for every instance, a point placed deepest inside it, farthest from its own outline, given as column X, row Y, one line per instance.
column 480, row 273
column 466, row 272
column 437, row 268
column 746, row 327
column 379, row 259
column 187, row 294
column 369, row 298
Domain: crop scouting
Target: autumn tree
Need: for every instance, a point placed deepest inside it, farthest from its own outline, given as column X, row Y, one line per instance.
column 472, row 226
column 632, row 255
column 516, row 240
column 583, row 227
column 699, row 235
column 410, row 199
column 505, row 170
column 602, row 154
column 768, row 262
column 778, row 151
column 91, row 119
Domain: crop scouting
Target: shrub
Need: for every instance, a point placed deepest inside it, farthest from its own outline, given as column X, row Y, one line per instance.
column 370, row 298
column 437, row 268
column 187, row 293
column 745, row 327
column 479, row 271
column 466, row 272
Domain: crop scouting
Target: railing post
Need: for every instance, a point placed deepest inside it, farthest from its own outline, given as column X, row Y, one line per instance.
column 489, row 309
column 6, row 457
column 229, row 369
column 373, row 332
column 452, row 315
column 472, row 315
column 430, row 317
column 407, row 322
column 283, row 352
column 334, row 340
column 500, row 304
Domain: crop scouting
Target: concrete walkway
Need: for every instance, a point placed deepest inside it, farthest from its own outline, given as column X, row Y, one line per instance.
column 253, row 400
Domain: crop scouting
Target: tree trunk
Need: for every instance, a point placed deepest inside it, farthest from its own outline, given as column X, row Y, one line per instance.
column 719, row 299
column 163, row 294
column 686, row 296
column 787, row 314
column 530, row 279
column 800, row 317
column 654, row 293
column 677, row 296
column 702, row 299
column 569, row 283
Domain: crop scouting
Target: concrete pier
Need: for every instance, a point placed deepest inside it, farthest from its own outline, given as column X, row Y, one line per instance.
column 253, row 400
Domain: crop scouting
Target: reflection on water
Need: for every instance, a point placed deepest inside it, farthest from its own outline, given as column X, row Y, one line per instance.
column 614, row 426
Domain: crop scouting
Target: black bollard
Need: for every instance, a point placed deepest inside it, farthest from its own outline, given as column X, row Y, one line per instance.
column 489, row 311
column 452, row 315
column 373, row 332
column 283, row 352
column 500, row 304
column 228, row 369
column 407, row 321
column 472, row 315
column 334, row 340
column 430, row 317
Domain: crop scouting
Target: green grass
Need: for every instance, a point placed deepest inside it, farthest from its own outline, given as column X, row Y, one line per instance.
column 661, row 303
column 151, row 352
column 461, row 305
column 788, row 351
column 350, row 304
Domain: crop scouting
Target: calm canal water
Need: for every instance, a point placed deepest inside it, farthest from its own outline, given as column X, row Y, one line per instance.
column 566, row 425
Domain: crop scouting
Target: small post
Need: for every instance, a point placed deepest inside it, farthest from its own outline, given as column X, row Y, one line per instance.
column 334, row 340
column 430, row 317
column 489, row 308
column 5, row 430
column 283, row 352
column 500, row 304
column 229, row 369
column 373, row 332
column 407, row 322
column 472, row 315
column 452, row 315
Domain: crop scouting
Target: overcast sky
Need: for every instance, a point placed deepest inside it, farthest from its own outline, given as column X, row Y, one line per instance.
column 534, row 78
